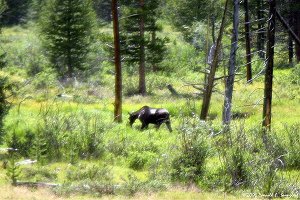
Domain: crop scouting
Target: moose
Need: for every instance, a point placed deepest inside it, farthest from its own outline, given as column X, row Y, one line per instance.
column 149, row 115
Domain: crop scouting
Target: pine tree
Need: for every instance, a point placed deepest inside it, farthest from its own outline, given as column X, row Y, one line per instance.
column 103, row 10
column 4, row 86
column 16, row 12
column 35, row 9
column 67, row 30
column 118, row 67
column 140, row 44
column 185, row 14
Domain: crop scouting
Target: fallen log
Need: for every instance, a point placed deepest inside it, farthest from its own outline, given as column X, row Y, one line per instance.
column 172, row 90
column 36, row 184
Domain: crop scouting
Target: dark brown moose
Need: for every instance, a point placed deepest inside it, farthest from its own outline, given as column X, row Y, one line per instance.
column 149, row 115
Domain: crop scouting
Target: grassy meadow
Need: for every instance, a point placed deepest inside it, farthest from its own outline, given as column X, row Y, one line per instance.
column 79, row 147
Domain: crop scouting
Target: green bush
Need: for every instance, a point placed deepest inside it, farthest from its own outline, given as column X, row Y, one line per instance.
column 265, row 162
column 95, row 179
column 188, row 166
column 233, row 147
column 21, row 140
column 295, row 74
column 99, row 173
column 45, row 79
column 180, row 59
column 132, row 185
column 293, row 146
column 130, row 85
column 137, row 160
column 93, row 188
column 38, row 174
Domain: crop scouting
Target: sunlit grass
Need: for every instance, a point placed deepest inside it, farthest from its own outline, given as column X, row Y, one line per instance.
column 175, row 193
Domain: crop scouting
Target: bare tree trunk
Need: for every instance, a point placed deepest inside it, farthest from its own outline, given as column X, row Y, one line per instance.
column 248, row 46
column 288, row 28
column 232, row 66
column 269, row 68
column 118, row 68
column 153, row 41
column 290, row 40
column 291, row 50
column 142, row 68
column 297, row 31
column 261, row 29
column 213, row 28
column 211, row 77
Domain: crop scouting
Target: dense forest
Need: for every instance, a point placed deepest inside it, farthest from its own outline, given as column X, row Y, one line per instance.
column 149, row 99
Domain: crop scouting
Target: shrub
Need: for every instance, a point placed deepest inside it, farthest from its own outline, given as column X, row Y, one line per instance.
column 188, row 165
column 265, row 162
column 233, row 148
column 39, row 173
column 93, row 179
column 21, row 140
column 95, row 172
column 293, row 146
column 138, row 160
column 295, row 74
column 44, row 79
column 130, row 85
column 13, row 169
column 132, row 185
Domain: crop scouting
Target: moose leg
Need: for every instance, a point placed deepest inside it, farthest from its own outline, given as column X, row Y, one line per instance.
column 144, row 125
column 158, row 125
column 168, row 123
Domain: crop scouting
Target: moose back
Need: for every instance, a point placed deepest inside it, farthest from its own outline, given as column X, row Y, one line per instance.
column 149, row 115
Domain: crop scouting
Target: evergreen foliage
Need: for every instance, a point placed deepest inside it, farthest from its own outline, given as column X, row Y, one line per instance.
column 4, row 105
column 130, row 32
column 35, row 8
column 184, row 14
column 13, row 169
column 67, row 28
column 16, row 12
column 103, row 10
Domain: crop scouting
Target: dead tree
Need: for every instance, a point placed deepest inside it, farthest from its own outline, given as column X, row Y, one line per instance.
column 247, row 38
column 269, row 67
column 288, row 28
column 290, row 39
column 261, row 29
column 232, row 66
column 296, row 22
column 118, row 68
column 211, row 77
column 142, row 67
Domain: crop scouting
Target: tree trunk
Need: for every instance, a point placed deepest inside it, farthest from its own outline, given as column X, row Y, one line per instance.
column 118, row 68
column 248, row 42
column 232, row 66
column 142, row 68
column 261, row 29
column 293, row 35
column 288, row 28
column 269, row 68
column 70, row 70
column 211, row 77
column 291, row 50
column 213, row 28
column 153, row 41
column 297, row 31
column 290, row 40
